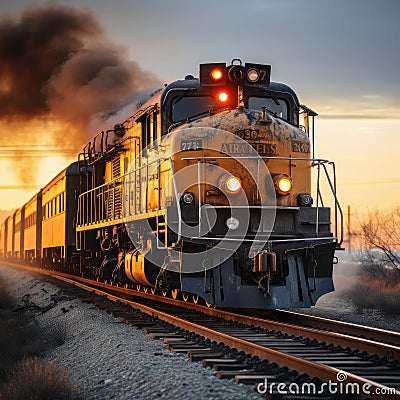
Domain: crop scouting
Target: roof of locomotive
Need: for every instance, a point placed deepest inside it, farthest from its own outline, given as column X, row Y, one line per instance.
column 191, row 83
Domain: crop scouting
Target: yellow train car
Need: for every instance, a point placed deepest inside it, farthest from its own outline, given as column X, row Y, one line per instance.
column 10, row 238
column 58, row 214
column 2, row 239
column 19, row 223
column 32, row 231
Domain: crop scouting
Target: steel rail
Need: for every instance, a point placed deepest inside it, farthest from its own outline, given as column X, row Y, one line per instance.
column 347, row 328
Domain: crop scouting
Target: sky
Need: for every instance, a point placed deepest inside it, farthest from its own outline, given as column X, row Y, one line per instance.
column 341, row 57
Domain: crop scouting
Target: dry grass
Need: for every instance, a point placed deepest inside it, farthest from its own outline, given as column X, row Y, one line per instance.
column 376, row 283
column 367, row 293
column 23, row 376
column 34, row 379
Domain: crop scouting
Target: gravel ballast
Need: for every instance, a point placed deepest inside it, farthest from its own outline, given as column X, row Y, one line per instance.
column 106, row 359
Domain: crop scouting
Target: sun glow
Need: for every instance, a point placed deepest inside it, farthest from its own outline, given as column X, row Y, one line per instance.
column 31, row 154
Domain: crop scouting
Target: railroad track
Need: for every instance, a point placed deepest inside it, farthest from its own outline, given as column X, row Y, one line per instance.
column 281, row 359
column 295, row 318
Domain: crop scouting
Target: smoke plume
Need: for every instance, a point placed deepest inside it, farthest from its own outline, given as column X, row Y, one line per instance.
column 59, row 70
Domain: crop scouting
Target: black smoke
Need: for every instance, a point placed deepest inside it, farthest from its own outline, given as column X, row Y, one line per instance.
column 59, row 69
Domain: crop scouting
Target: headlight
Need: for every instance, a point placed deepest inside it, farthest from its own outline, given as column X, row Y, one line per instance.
column 233, row 184
column 232, row 223
column 283, row 184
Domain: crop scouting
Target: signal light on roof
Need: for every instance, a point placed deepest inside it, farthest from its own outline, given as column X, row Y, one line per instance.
column 258, row 74
column 223, row 97
column 216, row 74
column 213, row 74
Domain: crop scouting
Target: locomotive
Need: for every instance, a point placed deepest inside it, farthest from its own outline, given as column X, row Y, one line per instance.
column 205, row 192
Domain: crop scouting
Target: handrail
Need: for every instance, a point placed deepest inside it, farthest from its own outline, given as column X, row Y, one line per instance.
column 103, row 198
column 178, row 204
column 337, row 204
column 321, row 160
column 199, row 193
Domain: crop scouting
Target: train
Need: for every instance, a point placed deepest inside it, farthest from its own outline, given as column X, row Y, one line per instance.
column 210, row 191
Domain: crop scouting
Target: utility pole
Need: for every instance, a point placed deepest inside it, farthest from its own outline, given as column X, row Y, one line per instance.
column 349, row 232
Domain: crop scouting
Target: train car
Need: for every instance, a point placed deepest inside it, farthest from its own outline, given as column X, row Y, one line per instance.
column 58, row 216
column 32, row 233
column 19, row 223
column 206, row 192
column 10, row 237
column 2, row 239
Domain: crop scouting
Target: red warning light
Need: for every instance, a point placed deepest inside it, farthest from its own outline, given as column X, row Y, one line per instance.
column 213, row 74
column 223, row 97
column 216, row 74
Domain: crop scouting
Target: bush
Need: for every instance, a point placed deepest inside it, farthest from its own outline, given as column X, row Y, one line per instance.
column 34, row 379
column 378, row 283
column 372, row 294
column 380, row 243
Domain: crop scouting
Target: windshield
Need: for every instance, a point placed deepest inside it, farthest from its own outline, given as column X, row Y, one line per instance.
column 188, row 107
column 280, row 109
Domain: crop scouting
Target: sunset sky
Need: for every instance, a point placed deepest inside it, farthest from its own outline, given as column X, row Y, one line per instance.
column 341, row 57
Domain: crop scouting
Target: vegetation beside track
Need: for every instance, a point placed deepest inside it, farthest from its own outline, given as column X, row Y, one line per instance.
column 23, row 375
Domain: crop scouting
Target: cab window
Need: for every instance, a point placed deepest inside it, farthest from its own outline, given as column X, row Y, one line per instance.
column 276, row 106
column 188, row 107
column 149, row 127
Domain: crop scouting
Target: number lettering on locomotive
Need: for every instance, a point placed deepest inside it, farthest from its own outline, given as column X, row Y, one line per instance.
column 190, row 145
column 300, row 147
column 250, row 134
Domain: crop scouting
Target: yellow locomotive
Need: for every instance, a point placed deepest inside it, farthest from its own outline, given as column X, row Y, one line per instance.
column 206, row 191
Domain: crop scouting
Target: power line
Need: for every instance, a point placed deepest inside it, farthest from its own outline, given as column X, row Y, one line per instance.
column 381, row 182
column 11, row 157
column 19, row 187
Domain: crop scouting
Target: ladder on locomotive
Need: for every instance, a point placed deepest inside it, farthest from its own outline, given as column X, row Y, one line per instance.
column 114, row 203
